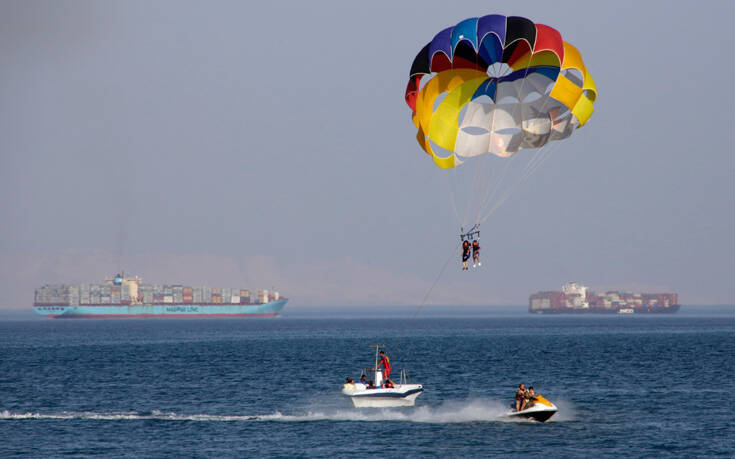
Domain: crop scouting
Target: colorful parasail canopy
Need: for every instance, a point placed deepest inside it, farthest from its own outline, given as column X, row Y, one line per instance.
column 497, row 84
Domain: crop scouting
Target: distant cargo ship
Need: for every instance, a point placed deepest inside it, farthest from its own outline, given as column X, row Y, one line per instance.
column 122, row 297
column 575, row 298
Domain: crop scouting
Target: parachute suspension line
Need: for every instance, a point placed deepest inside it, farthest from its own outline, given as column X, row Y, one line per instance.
column 534, row 159
column 489, row 196
column 473, row 200
column 544, row 156
column 509, row 192
column 483, row 187
column 426, row 298
column 450, row 193
column 493, row 182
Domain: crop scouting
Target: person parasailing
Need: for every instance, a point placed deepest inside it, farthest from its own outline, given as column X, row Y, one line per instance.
column 476, row 254
column 465, row 254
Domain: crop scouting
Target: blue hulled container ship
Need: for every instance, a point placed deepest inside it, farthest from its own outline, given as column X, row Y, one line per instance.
column 129, row 297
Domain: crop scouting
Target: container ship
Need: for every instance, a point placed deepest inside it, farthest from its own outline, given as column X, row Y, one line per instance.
column 123, row 297
column 578, row 299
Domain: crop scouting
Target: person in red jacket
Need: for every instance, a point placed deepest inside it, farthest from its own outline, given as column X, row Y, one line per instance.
column 385, row 363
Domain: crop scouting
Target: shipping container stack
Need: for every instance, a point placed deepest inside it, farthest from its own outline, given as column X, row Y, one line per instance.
column 145, row 291
column 84, row 294
column 105, row 294
column 187, row 295
column 94, row 294
column 115, row 294
column 54, row 295
column 125, row 294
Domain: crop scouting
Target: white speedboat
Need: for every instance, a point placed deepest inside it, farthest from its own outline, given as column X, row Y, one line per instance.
column 378, row 395
column 540, row 409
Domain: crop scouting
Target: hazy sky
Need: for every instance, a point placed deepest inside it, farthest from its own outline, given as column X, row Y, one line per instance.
column 228, row 144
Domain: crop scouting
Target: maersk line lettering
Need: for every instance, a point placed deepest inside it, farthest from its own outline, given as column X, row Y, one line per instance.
column 181, row 309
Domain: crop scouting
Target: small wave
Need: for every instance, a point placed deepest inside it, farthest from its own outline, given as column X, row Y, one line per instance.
column 451, row 412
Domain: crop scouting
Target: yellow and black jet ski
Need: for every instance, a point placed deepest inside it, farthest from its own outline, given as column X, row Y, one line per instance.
column 538, row 409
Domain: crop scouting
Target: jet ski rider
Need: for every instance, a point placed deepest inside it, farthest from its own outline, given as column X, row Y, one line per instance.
column 521, row 397
column 529, row 399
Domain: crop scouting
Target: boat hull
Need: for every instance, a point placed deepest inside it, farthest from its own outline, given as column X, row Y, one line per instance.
column 650, row 310
column 271, row 309
column 401, row 395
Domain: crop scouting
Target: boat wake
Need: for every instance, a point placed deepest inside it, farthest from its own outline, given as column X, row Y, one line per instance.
column 465, row 411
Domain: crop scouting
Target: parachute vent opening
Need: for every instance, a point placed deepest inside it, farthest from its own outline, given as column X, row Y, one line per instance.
column 424, row 80
column 461, row 116
column 574, row 75
column 439, row 99
column 498, row 70
column 475, row 130
column 531, row 97
column 560, row 113
column 508, row 99
column 483, row 99
column 440, row 151
column 509, row 131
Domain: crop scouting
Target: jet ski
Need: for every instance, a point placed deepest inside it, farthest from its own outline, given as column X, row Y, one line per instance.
column 378, row 395
column 538, row 409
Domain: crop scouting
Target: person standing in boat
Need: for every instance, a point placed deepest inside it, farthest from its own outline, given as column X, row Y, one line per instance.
column 385, row 363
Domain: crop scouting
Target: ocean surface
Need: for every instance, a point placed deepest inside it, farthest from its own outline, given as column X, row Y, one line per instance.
column 636, row 386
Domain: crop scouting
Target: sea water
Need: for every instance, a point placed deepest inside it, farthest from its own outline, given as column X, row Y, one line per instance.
column 625, row 385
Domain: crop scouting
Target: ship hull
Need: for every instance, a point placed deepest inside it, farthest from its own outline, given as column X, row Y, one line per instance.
column 658, row 310
column 115, row 311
